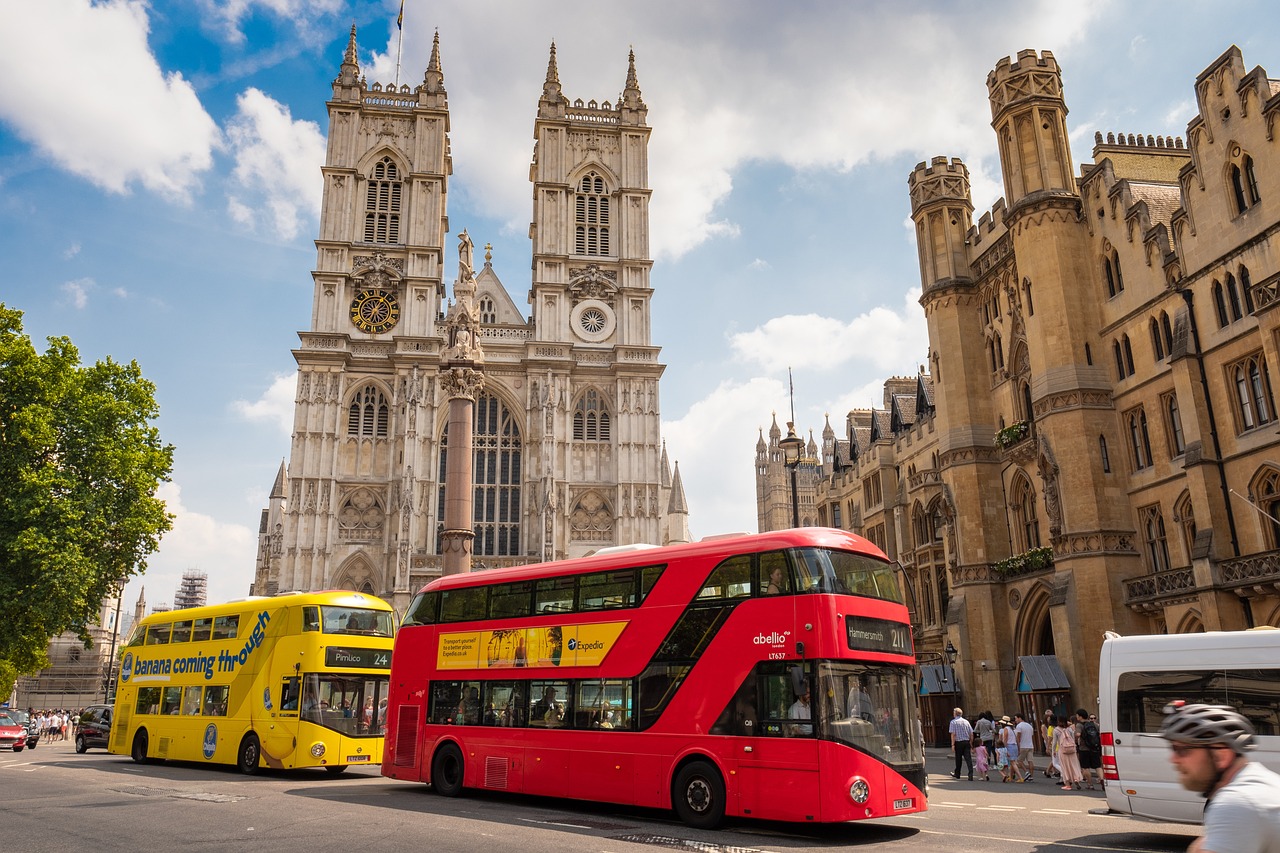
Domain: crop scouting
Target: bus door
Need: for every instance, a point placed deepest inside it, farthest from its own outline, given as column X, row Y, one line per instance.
column 279, row 730
column 774, row 743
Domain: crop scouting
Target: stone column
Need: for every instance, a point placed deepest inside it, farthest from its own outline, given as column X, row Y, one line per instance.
column 461, row 384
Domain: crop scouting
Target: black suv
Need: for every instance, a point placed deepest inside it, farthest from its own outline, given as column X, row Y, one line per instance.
column 95, row 727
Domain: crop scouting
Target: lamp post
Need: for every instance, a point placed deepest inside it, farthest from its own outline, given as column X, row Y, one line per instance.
column 792, row 450
column 951, row 651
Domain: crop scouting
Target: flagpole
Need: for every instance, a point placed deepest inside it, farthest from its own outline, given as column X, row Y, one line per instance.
column 400, row 44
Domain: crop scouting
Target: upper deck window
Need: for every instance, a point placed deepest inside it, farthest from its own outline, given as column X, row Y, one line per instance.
column 844, row 572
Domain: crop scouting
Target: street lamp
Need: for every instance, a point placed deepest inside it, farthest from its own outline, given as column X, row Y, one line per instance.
column 792, row 450
column 951, row 651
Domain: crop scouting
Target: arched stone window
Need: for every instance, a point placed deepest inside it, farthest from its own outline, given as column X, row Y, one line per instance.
column 1243, row 182
column 1266, row 493
column 1026, row 525
column 496, row 464
column 382, row 203
column 591, row 419
column 1153, row 533
column 368, row 414
column 488, row 312
column 591, row 216
column 1184, row 515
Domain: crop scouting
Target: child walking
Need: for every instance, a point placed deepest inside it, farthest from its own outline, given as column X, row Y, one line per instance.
column 981, row 762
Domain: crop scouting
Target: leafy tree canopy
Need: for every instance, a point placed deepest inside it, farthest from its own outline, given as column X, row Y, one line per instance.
column 79, row 467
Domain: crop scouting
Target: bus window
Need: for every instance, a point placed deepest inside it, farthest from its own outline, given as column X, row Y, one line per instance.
column 730, row 579
column 775, row 579
column 607, row 590
column 551, row 709
column 137, row 635
column 158, row 634
column 311, row 618
column 181, row 631
column 648, row 578
column 225, row 627
column 740, row 716
column 445, row 696
column 171, row 701
column 510, row 600
column 603, row 704
column 201, row 630
column 191, row 700
column 289, row 693
column 468, row 711
column 554, row 595
column 422, row 610
column 463, row 605
column 148, row 700
column 504, row 704
column 215, row 701
column 357, row 620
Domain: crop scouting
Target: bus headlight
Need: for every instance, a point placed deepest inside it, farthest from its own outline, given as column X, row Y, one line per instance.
column 860, row 791
column 317, row 750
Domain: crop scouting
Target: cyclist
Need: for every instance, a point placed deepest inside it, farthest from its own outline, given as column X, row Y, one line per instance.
column 1208, row 744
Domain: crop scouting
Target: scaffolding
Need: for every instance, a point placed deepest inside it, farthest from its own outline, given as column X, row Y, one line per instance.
column 193, row 591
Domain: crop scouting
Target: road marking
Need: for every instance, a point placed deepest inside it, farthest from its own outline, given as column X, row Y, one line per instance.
column 1056, row 811
column 949, row 805
column 1002, row 808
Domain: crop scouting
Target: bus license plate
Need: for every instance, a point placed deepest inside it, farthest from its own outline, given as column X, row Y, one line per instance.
column 903, row 804
column 356, row 759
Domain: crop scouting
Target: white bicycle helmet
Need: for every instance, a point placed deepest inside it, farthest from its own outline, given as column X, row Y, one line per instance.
column 1207, row 724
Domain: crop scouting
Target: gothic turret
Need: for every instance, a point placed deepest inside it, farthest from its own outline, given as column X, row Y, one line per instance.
column 632, row 107
column 1029, row 116
column 433, row 78
column 349, row 71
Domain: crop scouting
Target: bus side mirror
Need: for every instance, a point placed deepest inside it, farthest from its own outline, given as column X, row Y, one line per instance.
column 800, row 647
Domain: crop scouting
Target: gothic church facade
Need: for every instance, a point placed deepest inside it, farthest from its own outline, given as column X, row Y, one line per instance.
column 568, row 455
column 1094, row 445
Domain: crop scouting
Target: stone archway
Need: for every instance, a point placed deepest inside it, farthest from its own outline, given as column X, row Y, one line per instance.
column 1033, row 634
column 357, row 574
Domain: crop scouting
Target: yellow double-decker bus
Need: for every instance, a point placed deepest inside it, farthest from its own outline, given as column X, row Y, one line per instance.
column 295, row 680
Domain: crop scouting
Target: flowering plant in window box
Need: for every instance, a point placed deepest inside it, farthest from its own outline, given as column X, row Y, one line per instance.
column 1012, row 434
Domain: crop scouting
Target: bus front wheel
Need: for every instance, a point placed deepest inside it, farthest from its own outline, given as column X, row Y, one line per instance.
column 139, row 751
column 698, row 795
column 446, row 770
column 247, row 759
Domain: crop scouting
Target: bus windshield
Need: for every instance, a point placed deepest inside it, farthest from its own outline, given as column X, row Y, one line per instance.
column 846, row 573
column 351, row 620
column 352, row 704
column 870, row 707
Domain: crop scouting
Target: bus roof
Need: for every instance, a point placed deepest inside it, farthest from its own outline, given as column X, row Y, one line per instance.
column 799, row 537
column 328, row 597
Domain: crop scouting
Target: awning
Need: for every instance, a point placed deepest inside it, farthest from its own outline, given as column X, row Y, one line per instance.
column 1040, row 672
column 935, row 678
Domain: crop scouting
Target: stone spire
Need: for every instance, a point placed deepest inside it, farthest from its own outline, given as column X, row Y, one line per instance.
column 349, row 71
column 632, row 107
column 551, row 86
column 277, row 489
column 677, row 512
column 433, row 79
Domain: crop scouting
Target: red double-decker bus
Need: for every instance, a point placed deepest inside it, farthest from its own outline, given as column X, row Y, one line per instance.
column 767, row 676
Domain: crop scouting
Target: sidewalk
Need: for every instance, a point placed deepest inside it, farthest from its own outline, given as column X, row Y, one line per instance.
column 939, row 762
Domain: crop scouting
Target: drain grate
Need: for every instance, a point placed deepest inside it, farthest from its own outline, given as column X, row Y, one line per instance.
column 203, row 796
column 683, row 844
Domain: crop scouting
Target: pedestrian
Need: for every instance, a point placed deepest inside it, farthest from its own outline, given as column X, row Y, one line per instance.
column 985, row 730
column 1208, row 745
column 1009, row 741
column 1064, row 742
column 1026, row 736
column 1047, row 731
column 961, row 741
column 982, row 761
column 1089, row 747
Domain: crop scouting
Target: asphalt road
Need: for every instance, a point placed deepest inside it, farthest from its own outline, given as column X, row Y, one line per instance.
column 55, row 801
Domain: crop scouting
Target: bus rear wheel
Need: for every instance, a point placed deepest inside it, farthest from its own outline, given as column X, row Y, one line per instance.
column 250, row 751
column 335, row 769
column 139, row 751
column 446, row 771
column 698, row 795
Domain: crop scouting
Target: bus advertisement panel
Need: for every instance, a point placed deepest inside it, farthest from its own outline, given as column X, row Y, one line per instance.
column 767, row 676
column 296, row 680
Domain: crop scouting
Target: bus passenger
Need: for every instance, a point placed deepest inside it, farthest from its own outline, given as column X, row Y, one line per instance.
column 469, row 708
column 548, row 710
column 775, row 585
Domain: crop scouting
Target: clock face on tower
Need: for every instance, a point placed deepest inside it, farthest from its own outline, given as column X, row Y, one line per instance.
column 375, row 311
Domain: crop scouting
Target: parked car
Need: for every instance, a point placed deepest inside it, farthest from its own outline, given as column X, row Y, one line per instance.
column 95, row 727
column 25, row 719
column 13, row 735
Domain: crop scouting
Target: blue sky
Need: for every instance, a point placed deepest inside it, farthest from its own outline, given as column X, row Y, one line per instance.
column 159, row 190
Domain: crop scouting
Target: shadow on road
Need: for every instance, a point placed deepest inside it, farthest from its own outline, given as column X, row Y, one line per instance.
column 1137, row 842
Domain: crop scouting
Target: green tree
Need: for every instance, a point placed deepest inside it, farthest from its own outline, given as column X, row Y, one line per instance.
column 79, row 467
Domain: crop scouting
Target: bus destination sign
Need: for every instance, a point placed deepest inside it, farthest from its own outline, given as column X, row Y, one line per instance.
column 878, row 635
column 361, row 658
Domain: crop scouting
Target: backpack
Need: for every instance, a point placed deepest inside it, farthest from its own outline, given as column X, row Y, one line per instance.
column 1090, row 740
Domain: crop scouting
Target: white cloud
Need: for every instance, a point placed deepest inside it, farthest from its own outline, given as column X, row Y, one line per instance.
column 277, row 160
column 74, row 118
column 227, row 15
column 199, row 542
column 275, row 406
column 759, row 264
column 715, row 465
column 71, row 251
column 76, row 293
column 880, row 338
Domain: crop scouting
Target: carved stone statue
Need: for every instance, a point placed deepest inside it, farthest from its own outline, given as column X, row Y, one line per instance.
column 466, row 257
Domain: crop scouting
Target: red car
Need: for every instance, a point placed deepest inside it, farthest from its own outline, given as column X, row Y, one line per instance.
column 12, row 733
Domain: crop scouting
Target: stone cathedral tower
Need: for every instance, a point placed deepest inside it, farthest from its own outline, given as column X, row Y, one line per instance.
column 568, row 453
